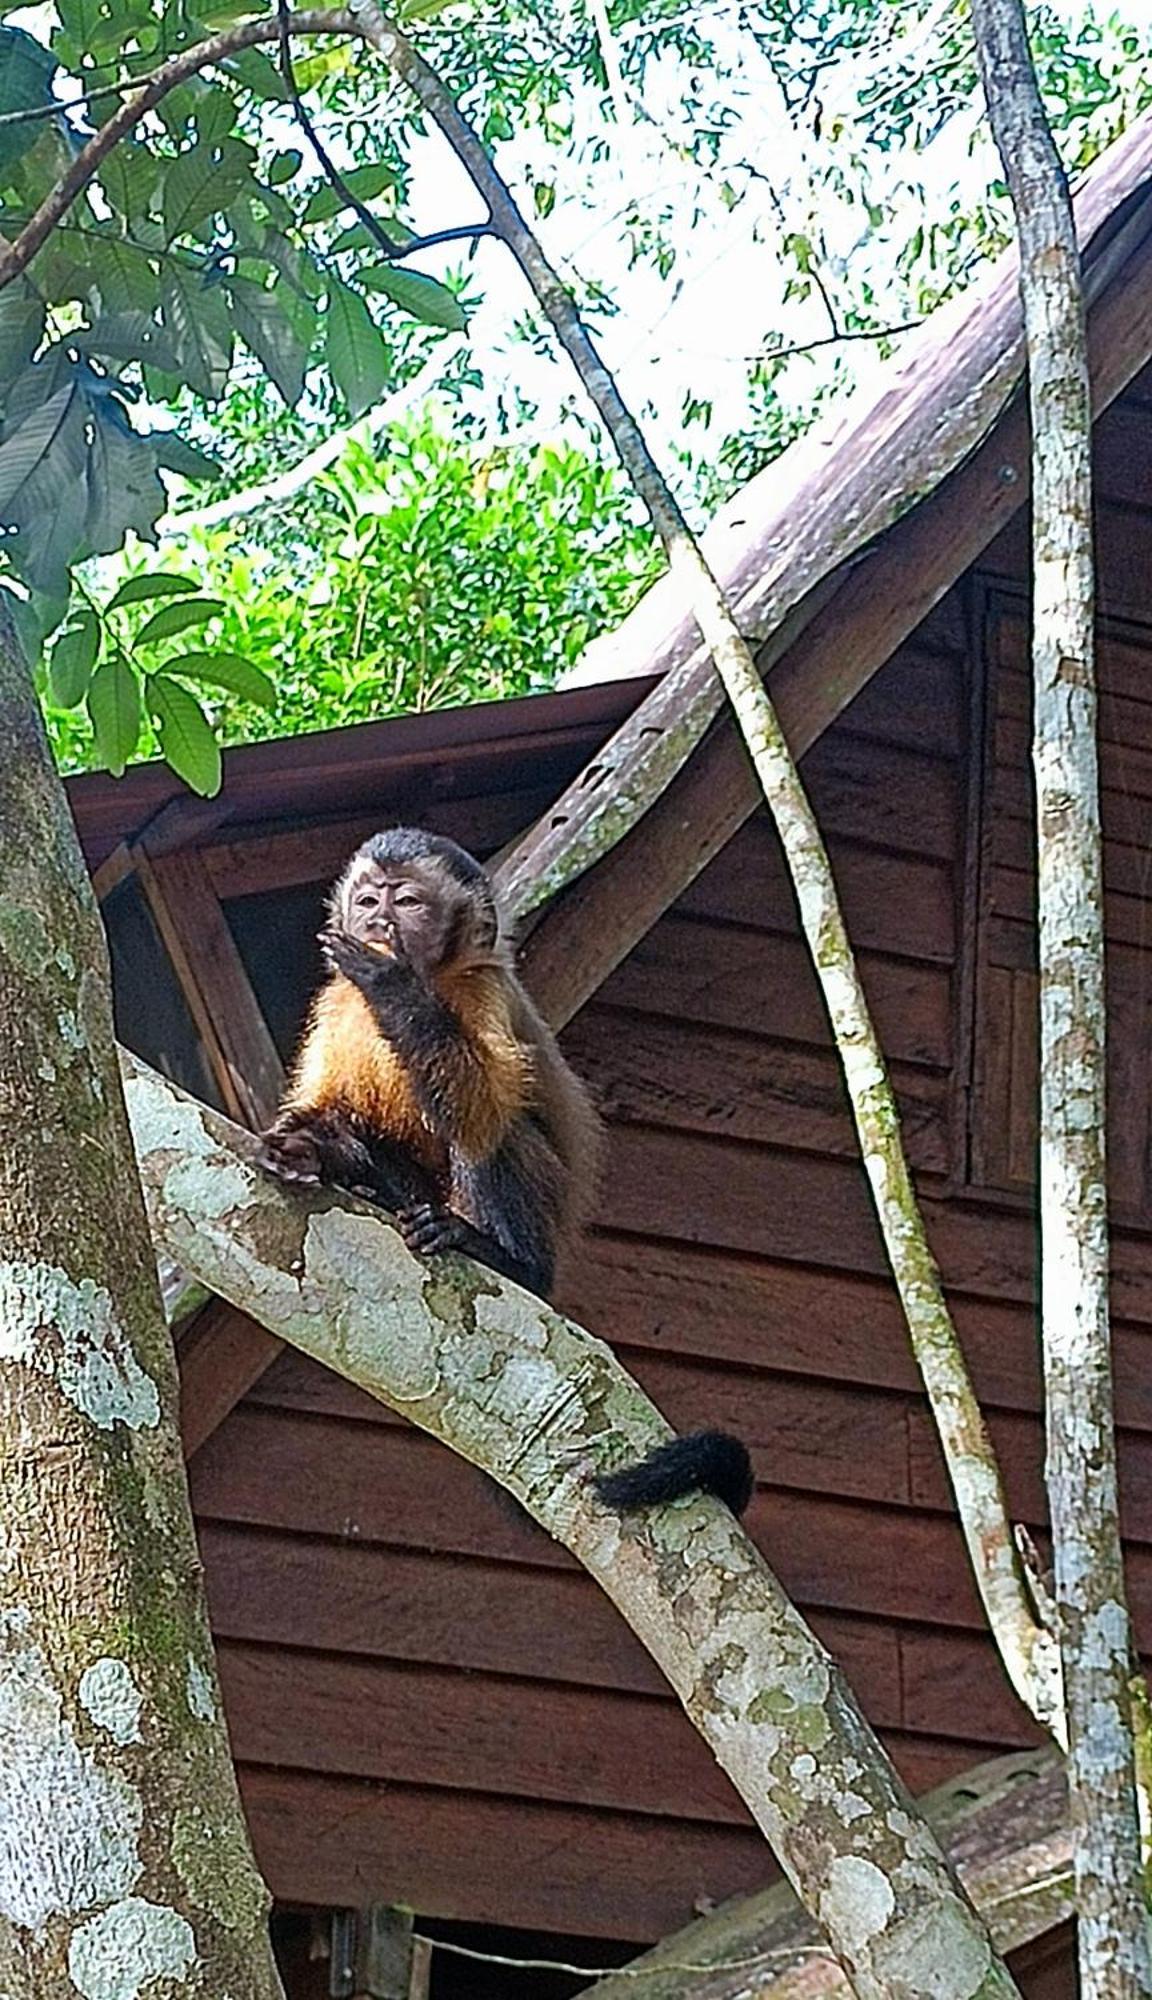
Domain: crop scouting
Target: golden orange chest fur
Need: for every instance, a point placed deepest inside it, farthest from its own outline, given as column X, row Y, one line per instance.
column 487, row 1072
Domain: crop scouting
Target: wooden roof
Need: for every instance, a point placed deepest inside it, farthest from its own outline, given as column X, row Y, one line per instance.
column 831, row 558
column 337, row 771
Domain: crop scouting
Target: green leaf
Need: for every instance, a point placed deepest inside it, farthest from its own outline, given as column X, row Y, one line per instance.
column 178, row 617
column 364, row 182
column 72, row 660
column 123, row 485
column 124, row 336
column 26, row 72
column 201, row 181
column 114, row 712
column 196, row 317
column 355, row 351
column 215, row 115
column 177, row 456
column 230, row 671
column 258, row 74
column 122, row 274
column 186, row 735
column 128, row 176
column 30, row 442
column 279, row 344
column 285, row 166
column 429, row 302
column 22, row 322
column 159, row 583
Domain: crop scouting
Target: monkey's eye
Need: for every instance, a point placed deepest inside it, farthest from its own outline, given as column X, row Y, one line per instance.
column 407, row 899
column 367, row 900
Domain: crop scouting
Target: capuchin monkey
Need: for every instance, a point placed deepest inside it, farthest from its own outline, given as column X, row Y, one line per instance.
column 427, row 1082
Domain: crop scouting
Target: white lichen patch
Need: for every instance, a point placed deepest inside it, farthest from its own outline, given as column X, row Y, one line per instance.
column 68, row 1330
column 508, row 1314
column 68, row 1827
column 941, row 1951
column 199, row 1692
column 340, row 1250
column 163, row 1122
column 207, row 1188
column 115, row 1955
column 109, row 1694
column 856, row 1901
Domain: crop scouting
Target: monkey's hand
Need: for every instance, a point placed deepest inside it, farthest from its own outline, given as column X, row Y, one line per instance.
column 428, row 1230
column 293, row 1156
column 376, row 973
column 317, row 1148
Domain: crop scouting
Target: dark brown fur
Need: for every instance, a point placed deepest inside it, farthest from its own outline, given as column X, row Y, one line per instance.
column 426, row 1079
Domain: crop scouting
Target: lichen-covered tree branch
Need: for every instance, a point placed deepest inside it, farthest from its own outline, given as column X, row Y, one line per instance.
column 1081, row 1470
column 518, row 1389
column 124, row 1860
column 1027, row 1648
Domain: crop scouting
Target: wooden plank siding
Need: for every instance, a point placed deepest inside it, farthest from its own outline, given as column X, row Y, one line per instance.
column 420, row 1636
column 428, row 1701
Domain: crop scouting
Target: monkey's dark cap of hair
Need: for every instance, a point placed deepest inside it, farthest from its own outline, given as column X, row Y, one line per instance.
column 703, row 1462
column 415, row 843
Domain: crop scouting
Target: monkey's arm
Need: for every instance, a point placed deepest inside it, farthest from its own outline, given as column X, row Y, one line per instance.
column 311, row 1145
column 469, row 1085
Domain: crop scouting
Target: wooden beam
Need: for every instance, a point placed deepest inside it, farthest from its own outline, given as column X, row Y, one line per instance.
column 114, row 869
column 586, row 933
column 214, row 982
column 1006, row 1828
column 221, row 1352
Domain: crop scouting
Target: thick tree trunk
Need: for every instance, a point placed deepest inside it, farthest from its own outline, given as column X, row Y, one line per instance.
column 125, row 1867
column 1095, row 1640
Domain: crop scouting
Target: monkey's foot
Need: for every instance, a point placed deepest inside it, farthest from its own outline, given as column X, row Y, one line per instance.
column 291, row 1156
column 427, row 1230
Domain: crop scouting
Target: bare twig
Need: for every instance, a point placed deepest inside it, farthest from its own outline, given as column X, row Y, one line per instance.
column 1093, row 1623
column 1028, row 1651
column 835, row 340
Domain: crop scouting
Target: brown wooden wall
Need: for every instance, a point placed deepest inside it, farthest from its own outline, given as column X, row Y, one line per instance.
column 428, row 1702
column 422, row 1689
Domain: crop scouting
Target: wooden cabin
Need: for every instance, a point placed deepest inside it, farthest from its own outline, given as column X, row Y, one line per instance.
column 430, row 1705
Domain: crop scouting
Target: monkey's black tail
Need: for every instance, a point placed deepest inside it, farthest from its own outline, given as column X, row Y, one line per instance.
column 703, row 1462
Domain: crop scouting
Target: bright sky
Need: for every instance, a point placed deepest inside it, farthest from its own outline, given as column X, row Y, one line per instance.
column 691, row 334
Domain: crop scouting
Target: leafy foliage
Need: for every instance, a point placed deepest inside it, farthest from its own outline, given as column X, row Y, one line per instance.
column 120, row 664
column 202, row 240
column 421, row 577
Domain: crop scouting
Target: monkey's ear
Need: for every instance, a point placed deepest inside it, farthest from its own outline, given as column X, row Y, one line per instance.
column 487, row 919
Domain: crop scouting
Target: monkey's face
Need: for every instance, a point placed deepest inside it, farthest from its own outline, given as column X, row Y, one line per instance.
column 411, row 907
